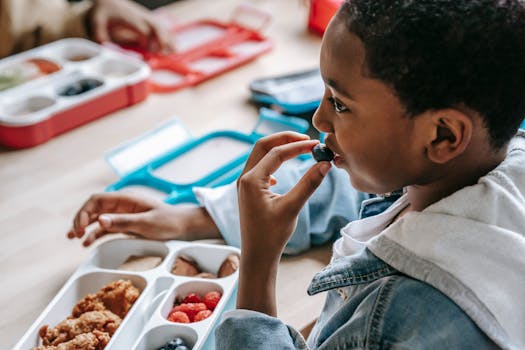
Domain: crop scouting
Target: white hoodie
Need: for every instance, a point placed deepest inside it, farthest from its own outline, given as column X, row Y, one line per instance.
column 471, row 246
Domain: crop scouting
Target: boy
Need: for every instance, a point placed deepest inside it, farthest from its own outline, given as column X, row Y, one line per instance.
column 422, row 95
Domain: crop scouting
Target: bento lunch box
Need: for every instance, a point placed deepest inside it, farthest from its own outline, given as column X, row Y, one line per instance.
column 296, row 93
column 206, row 48
column 146, row 327
column 167, row 162
column 56, row 87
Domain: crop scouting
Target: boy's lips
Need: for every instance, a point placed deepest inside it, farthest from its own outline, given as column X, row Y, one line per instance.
column 337, row 157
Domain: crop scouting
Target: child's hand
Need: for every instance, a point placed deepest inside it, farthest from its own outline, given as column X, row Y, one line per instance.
column 148, row 218
column 126, row 22
column 268, row 219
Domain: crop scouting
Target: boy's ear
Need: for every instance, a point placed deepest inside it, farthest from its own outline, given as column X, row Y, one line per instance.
column 451, row 132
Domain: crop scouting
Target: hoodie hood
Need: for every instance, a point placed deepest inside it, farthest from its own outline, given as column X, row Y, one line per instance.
column 471, row 246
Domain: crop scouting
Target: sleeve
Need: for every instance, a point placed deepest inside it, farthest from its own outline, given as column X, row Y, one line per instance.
column 25, row 24
column 331, row 207
column 246, row 329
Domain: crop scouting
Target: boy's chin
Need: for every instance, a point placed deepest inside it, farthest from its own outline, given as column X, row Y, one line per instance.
column 365, row 187
column 358, row 185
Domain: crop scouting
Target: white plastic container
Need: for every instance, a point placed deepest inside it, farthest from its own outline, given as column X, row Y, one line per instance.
column 34, row 101
column 145, row 327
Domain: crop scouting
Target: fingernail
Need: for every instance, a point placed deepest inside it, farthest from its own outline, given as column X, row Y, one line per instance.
column 105, row 220
column 324, row 168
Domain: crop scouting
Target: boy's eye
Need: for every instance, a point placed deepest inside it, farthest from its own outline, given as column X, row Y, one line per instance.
column 338, row 106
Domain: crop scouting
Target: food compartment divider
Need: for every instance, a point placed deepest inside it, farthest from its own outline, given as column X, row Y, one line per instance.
column 209, row 257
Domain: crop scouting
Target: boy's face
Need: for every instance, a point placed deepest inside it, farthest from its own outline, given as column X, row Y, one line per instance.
column 364, row 121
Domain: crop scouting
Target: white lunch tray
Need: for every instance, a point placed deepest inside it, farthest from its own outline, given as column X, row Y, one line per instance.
column 145, row 327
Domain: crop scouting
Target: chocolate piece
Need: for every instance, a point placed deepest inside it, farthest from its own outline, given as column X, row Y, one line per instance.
column 140, row 263
column 229, row 265
column 185, row 266
column 205, row 275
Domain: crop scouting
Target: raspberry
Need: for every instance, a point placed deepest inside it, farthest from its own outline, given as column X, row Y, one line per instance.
column 178, row 316
column 190, row 309
column 211, row 299
column 192, row 298
column 201, row 315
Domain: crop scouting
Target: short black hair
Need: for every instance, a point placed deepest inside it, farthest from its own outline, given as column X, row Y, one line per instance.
column 448, row 53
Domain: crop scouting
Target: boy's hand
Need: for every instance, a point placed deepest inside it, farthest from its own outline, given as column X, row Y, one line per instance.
column 268, row 219
column 148, row 218
column 126, row 22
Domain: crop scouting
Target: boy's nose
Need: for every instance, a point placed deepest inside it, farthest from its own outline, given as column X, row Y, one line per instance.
column 320, row 120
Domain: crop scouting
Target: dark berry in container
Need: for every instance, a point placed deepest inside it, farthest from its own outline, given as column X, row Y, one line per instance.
column 175, row 344
column 322, row 153
column 72, row 90
column 80, row 87
column 89, row 84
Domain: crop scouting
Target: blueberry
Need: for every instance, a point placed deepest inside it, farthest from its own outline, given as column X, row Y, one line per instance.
column 175, row 343
column 89, row 84
column 182, row 347
column 178, row 341
column 322, row 153
column 72, row 90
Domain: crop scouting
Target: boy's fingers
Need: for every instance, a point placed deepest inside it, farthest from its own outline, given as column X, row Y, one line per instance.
column 264, row 145
column 86, row 215
column 115, row 202
column 124, row 223
column 278, row 155
column 80, row 222
column 296, row 198
column 94, row 235
column 117, row 223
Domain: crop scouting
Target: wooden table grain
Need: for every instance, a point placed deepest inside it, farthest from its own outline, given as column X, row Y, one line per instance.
column 42, row 187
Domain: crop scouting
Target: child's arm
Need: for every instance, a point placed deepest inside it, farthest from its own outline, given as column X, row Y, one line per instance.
column 148, row 218
column 333, row 205
column 267, row 219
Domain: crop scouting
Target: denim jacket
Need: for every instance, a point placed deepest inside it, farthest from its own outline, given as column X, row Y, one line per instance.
column 369, row 305
column 451, row 276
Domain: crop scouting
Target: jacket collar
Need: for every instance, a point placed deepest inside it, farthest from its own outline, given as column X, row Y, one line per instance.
column 360, row 268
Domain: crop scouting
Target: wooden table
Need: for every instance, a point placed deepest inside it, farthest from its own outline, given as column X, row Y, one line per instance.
column 41, row 188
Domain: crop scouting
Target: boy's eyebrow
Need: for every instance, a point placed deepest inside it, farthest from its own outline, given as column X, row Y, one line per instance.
column 333, row 84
